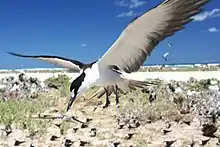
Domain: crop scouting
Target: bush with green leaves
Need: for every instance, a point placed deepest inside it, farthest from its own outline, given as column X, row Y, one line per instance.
column 20, row 112
column 61, row 82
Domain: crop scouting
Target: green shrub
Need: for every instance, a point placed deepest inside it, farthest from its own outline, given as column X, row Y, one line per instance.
column 61, row 82
column 20, row 112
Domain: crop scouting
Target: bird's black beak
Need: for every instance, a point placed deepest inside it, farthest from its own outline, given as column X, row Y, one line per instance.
column 71, row 102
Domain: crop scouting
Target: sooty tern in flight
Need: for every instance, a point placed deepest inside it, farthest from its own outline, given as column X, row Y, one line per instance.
column 132, row 47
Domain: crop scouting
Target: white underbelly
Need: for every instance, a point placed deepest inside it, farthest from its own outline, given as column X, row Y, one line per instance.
column 109, row 77
column 99, row 77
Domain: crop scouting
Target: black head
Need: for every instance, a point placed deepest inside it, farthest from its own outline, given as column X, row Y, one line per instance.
column 74, row 87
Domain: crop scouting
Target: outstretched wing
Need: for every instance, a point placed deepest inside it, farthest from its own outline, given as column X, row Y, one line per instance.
column 60, row 61
column 141, row 36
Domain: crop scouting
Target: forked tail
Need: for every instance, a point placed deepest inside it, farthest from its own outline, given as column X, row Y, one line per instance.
column 100, row 92
column 130, row 85
column 140, row 84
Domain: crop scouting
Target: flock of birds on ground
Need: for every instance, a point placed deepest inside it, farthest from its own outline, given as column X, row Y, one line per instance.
column 129, row 51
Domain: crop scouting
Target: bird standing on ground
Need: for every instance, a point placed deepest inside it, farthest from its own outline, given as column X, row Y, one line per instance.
column 133, row 46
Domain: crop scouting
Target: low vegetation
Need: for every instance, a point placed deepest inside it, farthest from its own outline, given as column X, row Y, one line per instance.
column 137, row 105
column 139, row 114
column 62, row 83
column 201, row 85
column 20, row 112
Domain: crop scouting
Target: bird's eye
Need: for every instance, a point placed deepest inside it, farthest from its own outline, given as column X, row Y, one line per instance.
column 114, row 67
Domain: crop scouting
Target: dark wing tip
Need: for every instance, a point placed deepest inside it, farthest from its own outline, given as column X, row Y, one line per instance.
column 18, row 55
column 11, row 53
column 47, row 57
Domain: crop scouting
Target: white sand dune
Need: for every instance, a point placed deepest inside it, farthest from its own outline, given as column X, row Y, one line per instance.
column 178, row 76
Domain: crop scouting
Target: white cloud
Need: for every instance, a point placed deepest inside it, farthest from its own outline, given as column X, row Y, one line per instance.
column 213, row 30
column 122, row 3
column 127, row 14
column 83, row 45
column 208, row 14
column 130, row 3
column 136, row 3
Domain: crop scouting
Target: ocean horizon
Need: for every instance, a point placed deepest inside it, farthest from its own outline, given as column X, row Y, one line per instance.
column 145, row 65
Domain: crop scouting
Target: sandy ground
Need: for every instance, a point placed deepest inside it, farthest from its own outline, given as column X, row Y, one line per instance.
column 178, row 76
column 107, row 126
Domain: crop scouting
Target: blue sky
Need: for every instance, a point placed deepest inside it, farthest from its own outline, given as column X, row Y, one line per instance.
column 85, row 29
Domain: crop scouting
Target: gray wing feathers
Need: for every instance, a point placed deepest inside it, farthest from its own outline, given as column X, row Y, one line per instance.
column 61, row 63
column 56, row 60
column 141, row 36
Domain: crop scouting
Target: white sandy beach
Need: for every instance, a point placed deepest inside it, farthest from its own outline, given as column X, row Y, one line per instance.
column 178, row 76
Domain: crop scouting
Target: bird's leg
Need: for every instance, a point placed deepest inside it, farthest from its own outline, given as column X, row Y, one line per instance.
column 107, row 102
column 116, row 100
column 116, row 95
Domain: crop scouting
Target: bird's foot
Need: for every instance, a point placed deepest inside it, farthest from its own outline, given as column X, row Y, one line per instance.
column 106, row 105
